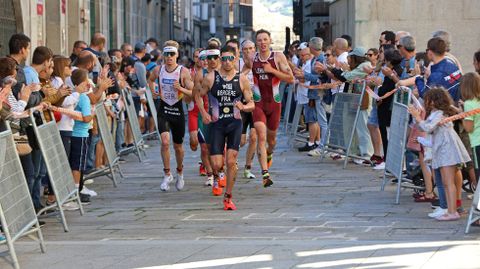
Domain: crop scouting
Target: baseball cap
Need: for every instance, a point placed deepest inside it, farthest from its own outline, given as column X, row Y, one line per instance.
column 140, row 46
column 303, row 45
column 358, row 51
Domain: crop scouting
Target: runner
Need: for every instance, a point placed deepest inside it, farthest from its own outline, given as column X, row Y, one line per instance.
column 248, row 47
column 193, row 119
column 226, row 88
column 212, row 57
column 175, row 84
column 269, row 68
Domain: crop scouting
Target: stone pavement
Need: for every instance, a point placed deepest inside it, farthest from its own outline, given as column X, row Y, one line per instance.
column 316, row 215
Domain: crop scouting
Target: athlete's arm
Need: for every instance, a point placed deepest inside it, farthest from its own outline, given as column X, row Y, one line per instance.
column 284, row 72
column 207, row 84
column 151, row 80
column 187, row 81
column 247, row 95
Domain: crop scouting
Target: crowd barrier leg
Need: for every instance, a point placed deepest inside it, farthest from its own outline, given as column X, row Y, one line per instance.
column 474, row 212
column 295, row 123
column 286, row 116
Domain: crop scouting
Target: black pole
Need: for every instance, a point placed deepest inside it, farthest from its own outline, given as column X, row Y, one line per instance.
column 170, row 18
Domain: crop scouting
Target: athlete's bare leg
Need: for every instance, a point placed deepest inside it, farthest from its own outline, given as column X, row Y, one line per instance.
column 165, row 137
column 261, row 129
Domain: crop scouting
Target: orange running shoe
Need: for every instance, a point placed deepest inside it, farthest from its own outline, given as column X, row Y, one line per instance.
column 227, row 202
column 269, row 160
column 201, row 170
column 222, row 180
column 216, row 189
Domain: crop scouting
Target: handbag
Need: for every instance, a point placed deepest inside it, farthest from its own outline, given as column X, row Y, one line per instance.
column 22, row 145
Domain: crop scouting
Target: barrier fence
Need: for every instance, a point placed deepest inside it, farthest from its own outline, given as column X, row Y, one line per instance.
column 397, row 138
column 134, row 127
column 108, row 143
column 56, row 160
column 343, row 123
column 17, row 214
column 153, row 114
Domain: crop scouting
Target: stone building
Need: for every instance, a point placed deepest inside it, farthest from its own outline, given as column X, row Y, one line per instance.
column 364, row 20
column 59, row 23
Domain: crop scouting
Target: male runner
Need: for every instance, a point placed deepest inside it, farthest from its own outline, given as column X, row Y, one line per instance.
column 269, row 68
column 248, row 47
column 193, row 119
column 213, row 63
column 226, row 88
column 175, row 84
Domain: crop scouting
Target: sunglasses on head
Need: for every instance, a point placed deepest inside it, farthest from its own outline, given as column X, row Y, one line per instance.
column 169, row 54
column 227, row 58
column 212, row 57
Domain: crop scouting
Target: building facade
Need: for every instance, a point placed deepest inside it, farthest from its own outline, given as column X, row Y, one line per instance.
column 311, row 18
column 59, row 23
column 364, row 20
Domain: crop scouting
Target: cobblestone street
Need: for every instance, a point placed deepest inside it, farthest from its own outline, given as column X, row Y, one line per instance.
column 316, row 215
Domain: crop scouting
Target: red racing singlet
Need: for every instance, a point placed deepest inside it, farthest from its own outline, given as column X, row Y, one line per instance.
column 266, row 85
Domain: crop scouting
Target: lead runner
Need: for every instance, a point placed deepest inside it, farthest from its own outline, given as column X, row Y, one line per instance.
column 226, row 88
column 269, row 69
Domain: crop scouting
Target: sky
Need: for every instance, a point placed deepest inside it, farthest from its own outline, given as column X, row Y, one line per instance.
column 274, row 16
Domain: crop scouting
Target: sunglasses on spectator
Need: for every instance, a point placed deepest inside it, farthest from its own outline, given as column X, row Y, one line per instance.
column 227, row 58
column 399, row 46
column 169, row 54
column 212, row 57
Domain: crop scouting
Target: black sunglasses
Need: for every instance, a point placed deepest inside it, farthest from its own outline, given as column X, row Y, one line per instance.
column 169, row 54
column 212, row 57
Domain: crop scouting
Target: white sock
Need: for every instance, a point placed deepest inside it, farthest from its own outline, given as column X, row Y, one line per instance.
column 317, row 142
column 310, row 144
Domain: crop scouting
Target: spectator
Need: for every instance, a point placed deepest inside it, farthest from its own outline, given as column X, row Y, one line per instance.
column 446, row 37
column 406, row 47
column 78, row 46
column 387, row 37
column 151, row 44
column 19, row 46
column 126, row 49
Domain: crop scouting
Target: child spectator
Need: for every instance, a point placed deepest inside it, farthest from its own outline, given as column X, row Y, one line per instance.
column 447, row 148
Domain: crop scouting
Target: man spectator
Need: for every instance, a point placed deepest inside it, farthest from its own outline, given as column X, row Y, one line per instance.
column 349, row 41
column 446, row 37
column 78, row 46
column 387, row 37
column 406, row 47
column 126, row 49
column 399, row 35
column 19, row 46
column 96, row 47
column 151, row 44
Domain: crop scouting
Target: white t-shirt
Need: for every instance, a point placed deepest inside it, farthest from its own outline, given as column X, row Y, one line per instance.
column 342, row 58
column 302, row 92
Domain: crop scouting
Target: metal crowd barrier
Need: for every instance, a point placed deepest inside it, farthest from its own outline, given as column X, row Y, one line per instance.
column 134, row 127
column 17, row 214
column 108, row 143
column 286, row 117
column 343, row 123
column 58, row 166
column 153, row 113
column 474, row 213
column 397, row 139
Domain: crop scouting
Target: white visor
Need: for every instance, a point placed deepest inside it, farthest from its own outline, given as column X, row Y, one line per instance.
column 170, row 49
column 213, row 52
column 202, row 53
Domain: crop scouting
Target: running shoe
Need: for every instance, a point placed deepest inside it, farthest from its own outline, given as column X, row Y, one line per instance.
column 269, row 160
column 315, row 153
column 267, row 181
column 379, row 166
column 201, row 170
column 247, row 173
column 227, row 203
column 209, row 181
column 216, row 189
column 167, row 179
column 180, row 182
column 222, row 180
